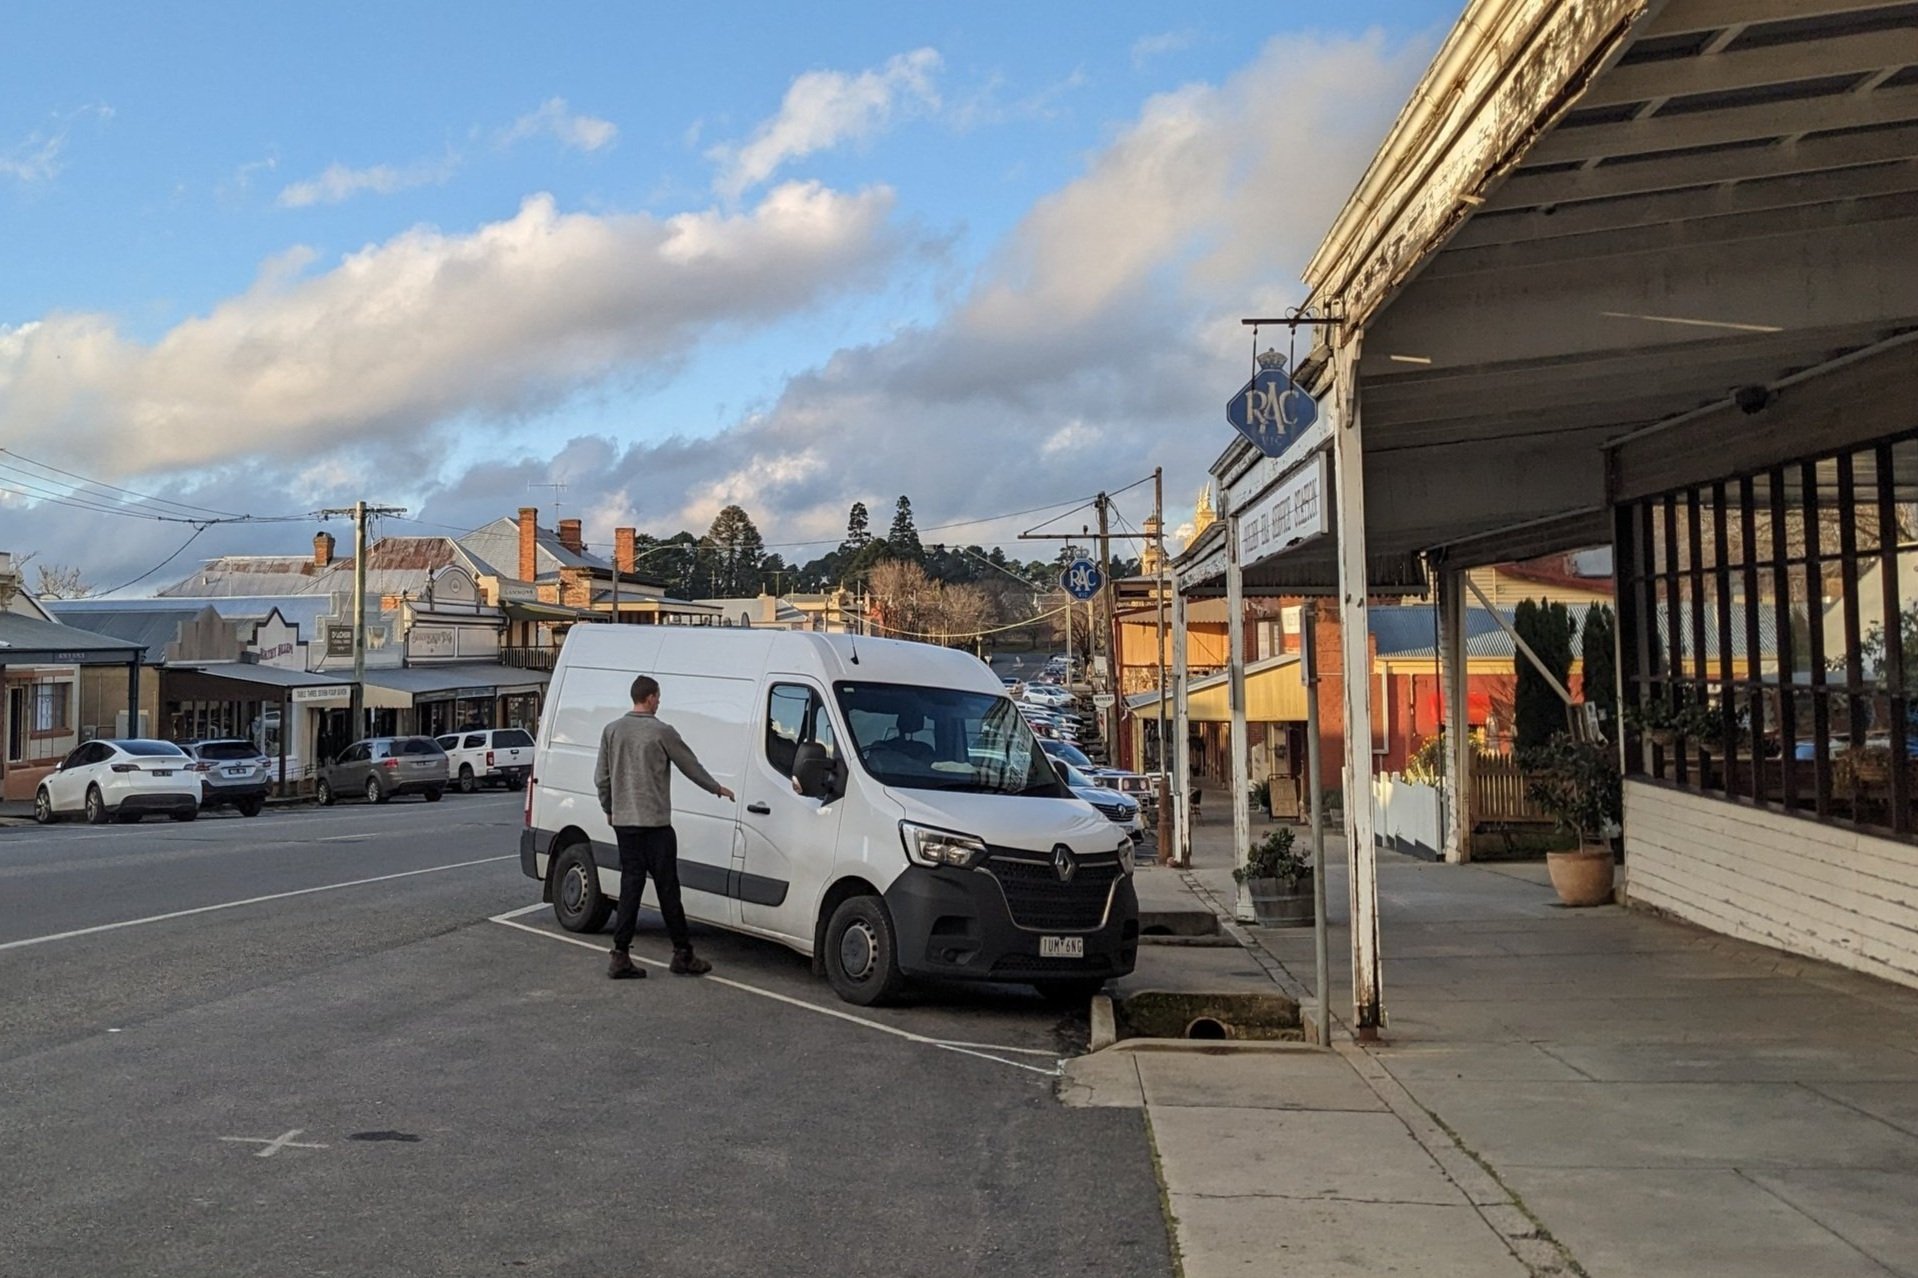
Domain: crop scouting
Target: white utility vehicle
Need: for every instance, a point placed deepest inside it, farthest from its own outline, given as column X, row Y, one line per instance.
column 488, row 756
column 895, row 816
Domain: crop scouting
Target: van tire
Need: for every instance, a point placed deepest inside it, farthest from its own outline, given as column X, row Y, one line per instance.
column 578, row 903
column 862, row 953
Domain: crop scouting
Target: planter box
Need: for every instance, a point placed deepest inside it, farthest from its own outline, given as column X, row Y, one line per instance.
column 1281, row 903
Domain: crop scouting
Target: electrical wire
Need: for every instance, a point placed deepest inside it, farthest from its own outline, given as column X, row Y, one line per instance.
column 198, row 529
column 968, row 634
column 100, row 483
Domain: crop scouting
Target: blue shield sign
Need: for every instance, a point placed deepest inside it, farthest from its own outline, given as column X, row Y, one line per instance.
column 1271, row 411
column 1082, row 579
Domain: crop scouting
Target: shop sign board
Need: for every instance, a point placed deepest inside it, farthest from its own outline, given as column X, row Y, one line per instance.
column 1291, row 513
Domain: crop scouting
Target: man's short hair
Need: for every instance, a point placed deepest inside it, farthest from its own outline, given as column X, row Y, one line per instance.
column 645, row 688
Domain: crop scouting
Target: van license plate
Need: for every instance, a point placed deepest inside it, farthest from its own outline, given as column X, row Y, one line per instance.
column 1062, row 947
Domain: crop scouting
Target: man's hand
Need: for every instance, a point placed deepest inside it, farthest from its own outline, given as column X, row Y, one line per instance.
column 724, row 793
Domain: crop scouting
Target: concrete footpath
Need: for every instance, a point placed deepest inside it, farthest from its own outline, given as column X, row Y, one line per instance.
column 1559, row 1091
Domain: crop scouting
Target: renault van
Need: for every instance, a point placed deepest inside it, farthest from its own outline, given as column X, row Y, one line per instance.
column 895, row 818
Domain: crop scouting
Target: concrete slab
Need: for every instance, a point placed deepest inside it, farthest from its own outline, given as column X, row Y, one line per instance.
column 1295, row 1154
column 1744, row 1063
column 1701, row 1221
column 1101, row 1080
column 1195, row 969
column 1272, row 1080
column 1219, row 1238
column 1410, row 1061
column 1870, row 1210
column 1672, row 1125
column 1893, row 1103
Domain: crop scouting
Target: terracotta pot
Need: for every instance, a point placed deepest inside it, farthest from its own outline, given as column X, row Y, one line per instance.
column 1583, row 877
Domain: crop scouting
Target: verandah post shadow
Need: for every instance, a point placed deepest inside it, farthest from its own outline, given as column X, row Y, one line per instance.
column 1893, row 666
column 1787, row 662
column 1700, row 669
column 1754, row 630
column 1674, row 631
column 1815, row 644
column 1727, row 686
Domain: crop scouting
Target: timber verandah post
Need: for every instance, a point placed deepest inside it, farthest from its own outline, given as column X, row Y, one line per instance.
column 1354, row 629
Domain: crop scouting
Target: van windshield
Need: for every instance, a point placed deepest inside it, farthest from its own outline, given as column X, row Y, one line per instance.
column 921, row 738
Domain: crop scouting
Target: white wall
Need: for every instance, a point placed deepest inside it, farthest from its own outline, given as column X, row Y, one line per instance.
column 1787, row 882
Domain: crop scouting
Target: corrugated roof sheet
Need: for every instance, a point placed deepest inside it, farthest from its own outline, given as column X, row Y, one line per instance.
column 151, row 628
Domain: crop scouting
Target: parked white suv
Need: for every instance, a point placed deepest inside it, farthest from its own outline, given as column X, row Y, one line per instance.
column 120, row 779
column 489, row 756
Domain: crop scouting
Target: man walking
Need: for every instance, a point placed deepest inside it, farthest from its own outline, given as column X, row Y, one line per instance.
column 637, row 753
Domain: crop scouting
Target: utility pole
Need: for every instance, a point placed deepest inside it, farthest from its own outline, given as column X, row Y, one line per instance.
column 358, row 513
column 1158, row 659
column 1108, row 615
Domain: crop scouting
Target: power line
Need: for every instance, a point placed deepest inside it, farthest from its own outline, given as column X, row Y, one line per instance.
column 100, row 483
column 163, row 563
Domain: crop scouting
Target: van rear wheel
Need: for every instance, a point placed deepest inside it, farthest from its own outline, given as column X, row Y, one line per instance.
column 578, row 903
column 862, row 954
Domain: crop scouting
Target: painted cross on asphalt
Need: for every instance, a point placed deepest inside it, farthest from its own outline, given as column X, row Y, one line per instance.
column 276, row 1144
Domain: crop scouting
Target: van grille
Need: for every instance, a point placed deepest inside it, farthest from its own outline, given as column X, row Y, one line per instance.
column 1040, row 902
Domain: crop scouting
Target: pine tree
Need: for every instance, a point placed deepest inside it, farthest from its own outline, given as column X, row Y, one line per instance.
column 1537, row 712
column 1600, row 656
column 736, row 553
column 858, row 529
column 904, row 536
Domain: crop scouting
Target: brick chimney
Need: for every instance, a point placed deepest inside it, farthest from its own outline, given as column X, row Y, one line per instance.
column 322, row 549
column 528, row 543
column 569, row 536
column 626, row 549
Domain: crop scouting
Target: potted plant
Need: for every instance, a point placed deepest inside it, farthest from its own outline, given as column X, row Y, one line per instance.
column 1577, row 782
column 1279, row 881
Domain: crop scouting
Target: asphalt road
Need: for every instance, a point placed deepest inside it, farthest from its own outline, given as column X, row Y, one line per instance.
column 456, row 1093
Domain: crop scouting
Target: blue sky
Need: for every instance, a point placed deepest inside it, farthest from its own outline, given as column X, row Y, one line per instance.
column 990, row 255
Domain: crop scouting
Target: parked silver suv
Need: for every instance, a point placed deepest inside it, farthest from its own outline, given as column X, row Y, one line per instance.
column 233, row 774
column 380, row 767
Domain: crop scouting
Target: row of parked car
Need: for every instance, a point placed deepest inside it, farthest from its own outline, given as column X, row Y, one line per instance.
column 128, row 779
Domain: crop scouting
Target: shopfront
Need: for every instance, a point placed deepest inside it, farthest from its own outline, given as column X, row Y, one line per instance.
column 434, row 700
column 294, row 717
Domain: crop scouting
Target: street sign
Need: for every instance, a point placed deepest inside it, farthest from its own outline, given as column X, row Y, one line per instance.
column 1271, row 410
column 1082, row 579
column 1104, row 700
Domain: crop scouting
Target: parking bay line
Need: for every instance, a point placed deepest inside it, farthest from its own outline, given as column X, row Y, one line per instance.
column 944, row 1045
column 251, row 900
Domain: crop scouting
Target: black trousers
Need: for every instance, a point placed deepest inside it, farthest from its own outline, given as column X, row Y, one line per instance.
column 643, row 850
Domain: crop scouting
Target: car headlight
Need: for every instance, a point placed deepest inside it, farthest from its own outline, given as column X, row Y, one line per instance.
column 1125, row 856
column 928, row 846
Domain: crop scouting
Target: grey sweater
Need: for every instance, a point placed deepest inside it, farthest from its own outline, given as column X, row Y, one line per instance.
column 637, row 753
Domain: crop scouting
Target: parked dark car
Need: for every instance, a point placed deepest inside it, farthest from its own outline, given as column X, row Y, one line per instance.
column 380, row 767
column 233, row 774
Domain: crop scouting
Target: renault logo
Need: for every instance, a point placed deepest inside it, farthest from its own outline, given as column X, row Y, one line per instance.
column 1063, row 863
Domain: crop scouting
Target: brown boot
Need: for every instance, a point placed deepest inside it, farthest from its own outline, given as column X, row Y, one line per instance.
column 622, row 967
column 686, row 963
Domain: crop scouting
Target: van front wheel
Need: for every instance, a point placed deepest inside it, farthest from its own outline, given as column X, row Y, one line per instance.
column 578, row 903
column 862, row 956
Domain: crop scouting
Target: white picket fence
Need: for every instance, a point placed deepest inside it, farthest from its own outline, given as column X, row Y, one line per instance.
column 1407, row 816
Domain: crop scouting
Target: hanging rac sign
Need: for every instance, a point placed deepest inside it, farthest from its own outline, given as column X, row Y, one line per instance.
column 1271, row 410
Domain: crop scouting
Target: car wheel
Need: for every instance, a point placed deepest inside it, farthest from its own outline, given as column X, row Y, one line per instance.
column 1074, row 992
column 578, row 903
column 468, row 783
column 373, row 792
column 250, row 807
column 433, row 796
column 43, row 808
column 191, row 814
column 96, row 806
column 862, row 956
column 324, row 793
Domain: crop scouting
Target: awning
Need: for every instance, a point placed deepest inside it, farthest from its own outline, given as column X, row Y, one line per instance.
column 409, row 686
column 246, row 681
column 1274, row 693
column 29, row 641
column 517, row 610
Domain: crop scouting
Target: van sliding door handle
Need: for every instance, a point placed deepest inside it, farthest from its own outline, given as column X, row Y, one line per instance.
column 760, row 809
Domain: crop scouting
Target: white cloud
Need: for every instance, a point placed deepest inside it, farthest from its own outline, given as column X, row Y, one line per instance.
column 1146, row 48
column 824, row 108
column 36, row 157
column 428, row 327
column 552, row 119
column 340, row 183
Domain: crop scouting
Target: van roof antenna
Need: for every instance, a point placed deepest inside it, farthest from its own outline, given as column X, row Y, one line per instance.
column 852, row 639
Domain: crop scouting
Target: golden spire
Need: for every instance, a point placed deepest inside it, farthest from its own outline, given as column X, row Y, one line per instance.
column 1203, row 516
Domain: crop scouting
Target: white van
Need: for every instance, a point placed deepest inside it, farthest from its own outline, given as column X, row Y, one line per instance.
column 895, row 816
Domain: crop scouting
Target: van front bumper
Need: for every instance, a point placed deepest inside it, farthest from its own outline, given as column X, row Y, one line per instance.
column 1006, row 920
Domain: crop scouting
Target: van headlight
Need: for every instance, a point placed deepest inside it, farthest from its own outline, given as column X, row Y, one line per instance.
column 1125, row 856
column 928, row 846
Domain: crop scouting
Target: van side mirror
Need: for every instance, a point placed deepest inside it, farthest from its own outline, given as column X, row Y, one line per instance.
column 814, row 771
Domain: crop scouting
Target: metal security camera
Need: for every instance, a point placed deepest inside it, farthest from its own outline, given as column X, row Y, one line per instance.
column 1751, row 399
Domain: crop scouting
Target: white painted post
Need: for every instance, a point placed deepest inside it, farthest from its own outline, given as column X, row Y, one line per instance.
column 1181, row 735
column 1361, row 851
column 1235, row 682
column 1455, row 690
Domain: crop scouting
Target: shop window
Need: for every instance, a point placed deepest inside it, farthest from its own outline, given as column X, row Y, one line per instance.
column 1771, row 646
column 52, row 706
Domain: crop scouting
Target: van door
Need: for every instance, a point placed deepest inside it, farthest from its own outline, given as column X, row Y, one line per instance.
column 790, row 841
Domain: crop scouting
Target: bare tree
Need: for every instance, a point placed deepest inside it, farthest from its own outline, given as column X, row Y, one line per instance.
column 61, row 581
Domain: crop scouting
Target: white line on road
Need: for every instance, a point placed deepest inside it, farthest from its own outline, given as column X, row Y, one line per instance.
column 523, row 910
column 251, row 900
column 276, row 1144
column 944, row 1045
